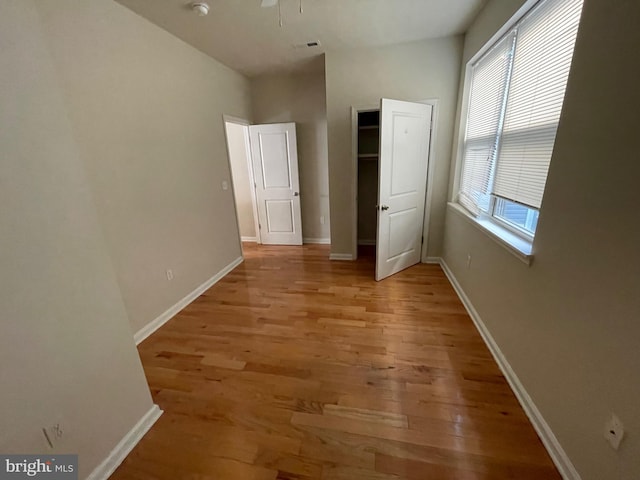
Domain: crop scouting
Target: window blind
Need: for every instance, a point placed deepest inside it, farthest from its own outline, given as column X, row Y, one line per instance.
column 515, row 100
column 488, row 84
column 541, row 63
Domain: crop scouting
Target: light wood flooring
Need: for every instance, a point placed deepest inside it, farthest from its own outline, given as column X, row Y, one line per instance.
column 295, row 367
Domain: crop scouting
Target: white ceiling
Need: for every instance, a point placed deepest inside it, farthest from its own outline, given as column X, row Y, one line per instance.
column 248, row 38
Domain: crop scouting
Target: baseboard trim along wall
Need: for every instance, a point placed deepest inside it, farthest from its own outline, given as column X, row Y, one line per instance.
column 124, row 446
column 249, row 239
column 340, row 256
column 366, row 241
column 317, row 241
column 557, row 453
column 154, row 325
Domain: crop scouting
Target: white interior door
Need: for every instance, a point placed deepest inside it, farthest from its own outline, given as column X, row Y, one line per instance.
column 405, row 131
column 275, row 168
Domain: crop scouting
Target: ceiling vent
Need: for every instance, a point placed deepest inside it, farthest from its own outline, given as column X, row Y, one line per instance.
column 311, row 44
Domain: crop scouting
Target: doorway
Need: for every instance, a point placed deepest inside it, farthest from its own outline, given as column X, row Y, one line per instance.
column 392, row 176
column 263, row 160
column 367, row 173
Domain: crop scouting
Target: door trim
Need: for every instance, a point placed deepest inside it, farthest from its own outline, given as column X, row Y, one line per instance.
column 428, row 207
column 355, row 109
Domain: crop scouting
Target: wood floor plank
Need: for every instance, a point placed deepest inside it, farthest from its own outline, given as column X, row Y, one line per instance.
column 521, row 452
column 486, row 466
column 365, row 415
column 343, row 472
column 415, row 470
column 294, row 367
column 289, row 466
column 412, row 469
column 335, row 450
column 218, row 361
column 343, row 322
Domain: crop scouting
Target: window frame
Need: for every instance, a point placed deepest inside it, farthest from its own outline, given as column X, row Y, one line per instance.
column 492, row 216
column 500, row 230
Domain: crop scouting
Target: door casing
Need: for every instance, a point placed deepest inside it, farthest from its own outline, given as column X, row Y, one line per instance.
column 354, row 174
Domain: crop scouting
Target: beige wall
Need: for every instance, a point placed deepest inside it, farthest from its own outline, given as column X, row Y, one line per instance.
column 66, row 350
column 414, row 71
column 569, row 324
column 147, row 115
column 300, row 98
column 239, row 160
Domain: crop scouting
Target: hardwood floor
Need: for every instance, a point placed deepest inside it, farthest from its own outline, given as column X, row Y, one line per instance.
column 295, row 367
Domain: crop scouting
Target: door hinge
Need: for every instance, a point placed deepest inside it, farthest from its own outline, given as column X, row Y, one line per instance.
column 422, row 240
column 259, row 226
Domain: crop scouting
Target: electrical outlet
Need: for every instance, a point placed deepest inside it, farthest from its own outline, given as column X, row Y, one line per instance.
column 53, row 434
column 321, row 219
column 468, row 260
column 169, row 274
column 614, row 431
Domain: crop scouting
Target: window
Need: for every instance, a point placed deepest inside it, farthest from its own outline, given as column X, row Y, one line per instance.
column 516, row 92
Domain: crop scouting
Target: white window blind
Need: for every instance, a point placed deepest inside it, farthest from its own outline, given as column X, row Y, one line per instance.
column 488, row 84
column 543, row 52
column 516, row 95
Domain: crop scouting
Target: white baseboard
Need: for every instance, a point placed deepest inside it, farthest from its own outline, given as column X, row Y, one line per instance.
column 365, row 241
column 433, row 260
column 154, row 325
column 340, row 256
column 557, row 453
column 317, row 241
column 124, row 446
column 249, row 239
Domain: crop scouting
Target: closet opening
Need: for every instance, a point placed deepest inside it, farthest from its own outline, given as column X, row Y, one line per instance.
column 368, row 145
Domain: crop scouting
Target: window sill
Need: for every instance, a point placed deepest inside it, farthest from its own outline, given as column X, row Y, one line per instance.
column 519, row 247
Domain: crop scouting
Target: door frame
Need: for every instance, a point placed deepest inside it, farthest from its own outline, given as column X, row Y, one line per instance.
column 434, row 102
column 254, row 202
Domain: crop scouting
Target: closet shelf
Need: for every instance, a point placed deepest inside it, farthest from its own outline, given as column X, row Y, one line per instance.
column 369, row 127
column 368, row 155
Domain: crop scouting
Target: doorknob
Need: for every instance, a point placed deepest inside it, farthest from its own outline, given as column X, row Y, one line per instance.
column 295, row 194
column 384, row 207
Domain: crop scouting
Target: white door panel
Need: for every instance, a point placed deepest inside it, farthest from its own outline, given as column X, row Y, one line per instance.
column 276, row 172
column 280, row 216
column 404, row 225
column 405, row 130
column 275, row 167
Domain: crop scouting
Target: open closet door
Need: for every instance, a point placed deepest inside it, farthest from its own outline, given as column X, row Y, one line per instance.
column 405, row 131
column 275, row 167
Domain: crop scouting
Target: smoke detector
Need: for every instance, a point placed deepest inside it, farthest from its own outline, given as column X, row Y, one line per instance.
column 200, row 8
